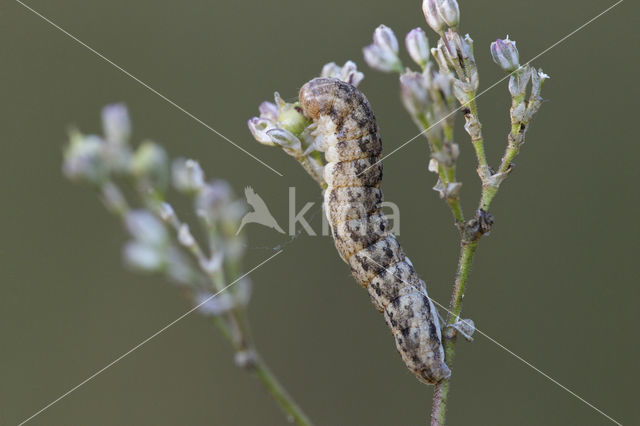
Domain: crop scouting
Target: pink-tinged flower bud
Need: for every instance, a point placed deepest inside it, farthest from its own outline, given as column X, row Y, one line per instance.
column 450, row 12
column 505, row 54
column 384, row 37
column 418, row 46
column 381, row 59
column 259, row 127
column 269, row 111
column 383, row 53
column 414, row 91
column 441, row 14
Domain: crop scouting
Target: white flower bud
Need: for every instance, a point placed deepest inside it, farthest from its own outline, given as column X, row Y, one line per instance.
column 433, row 165
column 146, row 228
column 143, row 256
column 414, row 91
column 384, row 37
column 418, row 46
column 116, row 123
column 259, row 128
column 214, row 305
column 441, row 14
column 505, row 54
column 348, row 72
column 383, row 53
column 166, row 212
column 187, row 175
column 150, row 162
column 269, row 111
column 84, row 159
column 185, row 237
column 287, row 140
column 330, row 70
column 450, row 12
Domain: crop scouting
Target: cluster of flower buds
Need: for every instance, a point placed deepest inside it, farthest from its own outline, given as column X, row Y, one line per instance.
column 93, row 158
column 282, row 124
column 506, row 56
column 441, row 14
column 348, row 72
column 160, row 242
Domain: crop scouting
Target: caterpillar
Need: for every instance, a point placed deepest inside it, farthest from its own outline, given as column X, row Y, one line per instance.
column 345, row 130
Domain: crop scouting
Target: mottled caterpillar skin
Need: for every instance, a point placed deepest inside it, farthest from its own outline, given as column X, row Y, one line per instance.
column 346, row 131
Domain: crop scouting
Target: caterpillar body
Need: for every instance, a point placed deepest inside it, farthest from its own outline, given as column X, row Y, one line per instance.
column 345, row 129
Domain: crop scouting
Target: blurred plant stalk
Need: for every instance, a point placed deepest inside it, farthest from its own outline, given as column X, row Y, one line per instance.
column 162, row 243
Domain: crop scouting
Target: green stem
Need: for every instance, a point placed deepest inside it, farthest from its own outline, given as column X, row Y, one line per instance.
column 446, row 173
column 467, row 251
column 288, row 405
column 478, row 140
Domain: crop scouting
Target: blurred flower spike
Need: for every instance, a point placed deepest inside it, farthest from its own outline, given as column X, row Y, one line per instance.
column 160, row 242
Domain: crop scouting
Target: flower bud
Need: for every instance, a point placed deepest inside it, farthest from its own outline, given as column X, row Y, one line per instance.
column 259, row 127
column 287, row 140
column 150, row 163
column 441, row 14
column 505, row 54
column 187, row 175
column 84, row 159
column 414, row 91
column 116, row 123
column 450, row 12
column 291, row 118
column 269, row 111
column 143, row 257
column 330, row 70
column 348, row 72
column 166, row 212
column 384, row 37
column 418, row 46
column 146, row 228
column 185, row 237
column 383, row 53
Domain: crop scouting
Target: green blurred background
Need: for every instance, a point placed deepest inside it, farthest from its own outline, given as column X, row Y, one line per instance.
column 556, row 282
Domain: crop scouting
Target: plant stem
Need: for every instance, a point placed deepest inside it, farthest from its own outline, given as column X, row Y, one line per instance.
column 446, row 173
column 441, row 394
column 288, row 405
